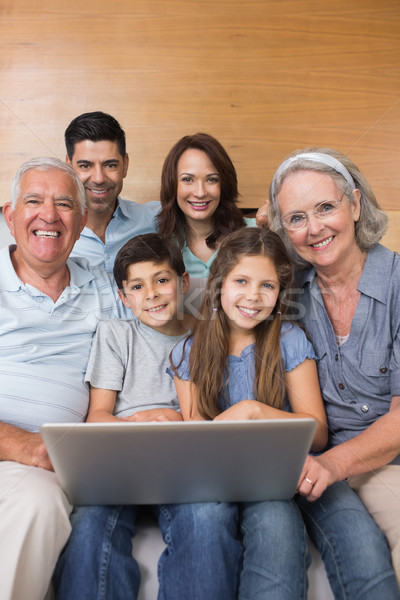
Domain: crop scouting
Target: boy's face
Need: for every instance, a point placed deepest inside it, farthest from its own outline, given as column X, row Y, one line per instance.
column 152, row 291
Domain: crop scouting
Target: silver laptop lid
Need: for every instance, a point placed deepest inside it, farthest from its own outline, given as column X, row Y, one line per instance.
column 174, row 462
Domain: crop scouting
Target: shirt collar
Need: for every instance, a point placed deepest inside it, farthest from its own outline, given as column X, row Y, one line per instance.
column 9, row 279
column 376, row 273
column 374, row 278
column 78, row 267
column 121, row 209
column 80, row 272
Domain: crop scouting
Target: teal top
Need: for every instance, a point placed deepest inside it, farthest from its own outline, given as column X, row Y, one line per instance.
column 195, row 266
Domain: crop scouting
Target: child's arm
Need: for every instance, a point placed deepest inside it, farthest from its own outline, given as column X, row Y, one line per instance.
column 187, row 396
column 101, row 405
column 305, row 400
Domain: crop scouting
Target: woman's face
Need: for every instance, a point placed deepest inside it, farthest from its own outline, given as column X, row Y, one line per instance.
column 327, row 242
column 199, row 186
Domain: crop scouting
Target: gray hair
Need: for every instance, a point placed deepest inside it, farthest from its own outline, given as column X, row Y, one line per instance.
column 373, row 222
column 46, row 164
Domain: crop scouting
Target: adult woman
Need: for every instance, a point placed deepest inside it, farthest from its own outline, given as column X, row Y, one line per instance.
column 199, row 194
column 349, row 302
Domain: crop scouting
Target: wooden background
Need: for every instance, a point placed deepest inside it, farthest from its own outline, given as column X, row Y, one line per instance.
column 263, row 76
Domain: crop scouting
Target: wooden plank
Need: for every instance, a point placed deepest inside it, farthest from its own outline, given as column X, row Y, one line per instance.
column 264, row 77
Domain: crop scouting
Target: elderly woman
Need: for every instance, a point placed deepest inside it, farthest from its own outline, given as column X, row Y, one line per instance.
column 349, row 303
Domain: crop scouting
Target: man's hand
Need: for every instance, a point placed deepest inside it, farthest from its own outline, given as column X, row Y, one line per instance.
column 23, row 447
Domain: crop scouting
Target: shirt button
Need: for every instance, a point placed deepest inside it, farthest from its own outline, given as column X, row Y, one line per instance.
column 341, row 386
column 336, row 356
column 364, row 408
column 383, row 370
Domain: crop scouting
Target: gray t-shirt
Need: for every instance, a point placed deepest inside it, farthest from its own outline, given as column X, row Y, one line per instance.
column 132, row 358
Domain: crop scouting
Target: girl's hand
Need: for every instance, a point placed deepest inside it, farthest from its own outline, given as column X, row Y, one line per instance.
column 317, row 474
column 242, row 411
column 155, row 414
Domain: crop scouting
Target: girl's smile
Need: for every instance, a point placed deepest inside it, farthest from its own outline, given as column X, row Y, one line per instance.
column 250, row 292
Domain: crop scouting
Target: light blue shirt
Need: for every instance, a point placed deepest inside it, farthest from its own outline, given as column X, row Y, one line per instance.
column 358, row 379
column 45, row 345
column 295, row 349
column 129, row 219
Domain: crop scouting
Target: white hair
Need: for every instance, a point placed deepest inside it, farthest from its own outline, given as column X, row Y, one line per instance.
column 46, row 164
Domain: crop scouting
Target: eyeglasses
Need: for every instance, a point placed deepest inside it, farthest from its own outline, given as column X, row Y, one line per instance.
column 323, row 210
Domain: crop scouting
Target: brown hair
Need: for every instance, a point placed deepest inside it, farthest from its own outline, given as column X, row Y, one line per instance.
column 211, row 333
column 171, row 221
column 147, row 247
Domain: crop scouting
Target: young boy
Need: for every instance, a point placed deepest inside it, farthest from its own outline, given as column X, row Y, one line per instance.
column 128, row 360
column 128, row 379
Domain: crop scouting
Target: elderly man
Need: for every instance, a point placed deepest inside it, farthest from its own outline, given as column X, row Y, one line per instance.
column 50, row 307
column 96, row 150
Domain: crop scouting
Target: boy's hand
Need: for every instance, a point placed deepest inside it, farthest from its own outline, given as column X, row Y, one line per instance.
column 155, row 414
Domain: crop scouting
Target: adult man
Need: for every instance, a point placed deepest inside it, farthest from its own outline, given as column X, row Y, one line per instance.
column 50, row 307
column 96, row 150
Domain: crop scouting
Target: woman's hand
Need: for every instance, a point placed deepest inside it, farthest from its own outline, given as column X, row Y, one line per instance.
column 262, row 215
column 317, row 474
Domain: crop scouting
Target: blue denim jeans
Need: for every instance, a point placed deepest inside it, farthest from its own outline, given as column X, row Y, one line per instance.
column 354, row 550
column 202, row 559
column 276, row 553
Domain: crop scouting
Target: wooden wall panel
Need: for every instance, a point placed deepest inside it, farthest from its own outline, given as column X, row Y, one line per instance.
column 263, row 76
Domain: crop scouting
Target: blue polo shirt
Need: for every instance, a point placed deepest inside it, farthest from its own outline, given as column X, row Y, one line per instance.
column 358, row 379
column 45, row 345
column 129, row 219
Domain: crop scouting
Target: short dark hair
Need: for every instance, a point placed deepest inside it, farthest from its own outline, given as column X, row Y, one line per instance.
column 96, row 127
column 147, row 247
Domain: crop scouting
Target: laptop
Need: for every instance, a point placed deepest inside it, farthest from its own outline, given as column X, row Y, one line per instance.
column 174, row 462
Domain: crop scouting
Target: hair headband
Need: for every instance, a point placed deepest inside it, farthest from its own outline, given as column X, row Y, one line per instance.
column 319, row 157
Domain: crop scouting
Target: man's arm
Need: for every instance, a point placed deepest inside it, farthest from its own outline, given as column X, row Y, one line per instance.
column 23, row 447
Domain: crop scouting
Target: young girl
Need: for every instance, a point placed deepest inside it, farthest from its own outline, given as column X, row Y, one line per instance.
column 246, row 360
